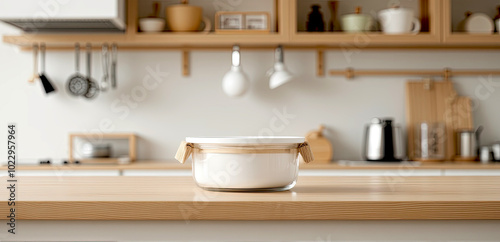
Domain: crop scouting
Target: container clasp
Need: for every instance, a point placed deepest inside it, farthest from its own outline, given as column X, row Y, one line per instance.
column 305, row 152
column 184, row 151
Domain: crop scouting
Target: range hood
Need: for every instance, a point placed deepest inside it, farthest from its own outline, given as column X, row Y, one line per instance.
column 64, row 15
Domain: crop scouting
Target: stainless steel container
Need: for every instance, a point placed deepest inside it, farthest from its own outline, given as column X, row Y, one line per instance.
column 90, row 150
column 430, row 141
column 496, row 151
column 466, row 144
column 383, row 141
column 485, row 154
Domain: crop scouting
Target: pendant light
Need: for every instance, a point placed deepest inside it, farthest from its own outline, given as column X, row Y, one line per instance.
column 279, row 75
column 235, row 83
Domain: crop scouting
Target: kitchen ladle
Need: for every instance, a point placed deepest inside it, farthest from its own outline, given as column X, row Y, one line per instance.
column 235, row 83
column 105, row 68
column 93, row 87
column 47, row 85
column 77, row 84
column 114, row 59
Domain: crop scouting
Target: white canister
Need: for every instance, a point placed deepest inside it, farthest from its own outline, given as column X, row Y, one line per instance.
column 357, row 22
column 399, row 21
column 245, row 163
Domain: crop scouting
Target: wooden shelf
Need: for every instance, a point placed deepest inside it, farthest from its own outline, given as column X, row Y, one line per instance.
column 364, row 40
column 472, row 39
column 439, row 35
column 99, row 137
column 209, row 39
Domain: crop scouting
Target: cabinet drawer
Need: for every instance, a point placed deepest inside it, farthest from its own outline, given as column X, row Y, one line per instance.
column 68, row 173
column 472, row 172
column 372, row 172
column 157, row 173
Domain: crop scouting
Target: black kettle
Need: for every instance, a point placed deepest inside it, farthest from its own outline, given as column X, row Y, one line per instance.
column 383, row 141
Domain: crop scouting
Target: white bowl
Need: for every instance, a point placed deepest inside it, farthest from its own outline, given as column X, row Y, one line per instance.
column 152, row 24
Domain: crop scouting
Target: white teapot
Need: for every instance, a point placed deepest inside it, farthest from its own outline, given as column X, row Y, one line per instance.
column 398, row 20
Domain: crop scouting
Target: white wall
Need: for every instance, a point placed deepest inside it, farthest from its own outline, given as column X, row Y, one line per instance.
column 196, row 106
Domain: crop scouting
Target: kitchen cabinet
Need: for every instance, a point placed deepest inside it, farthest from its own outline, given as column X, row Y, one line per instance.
column 61, row 173
column 429, row 14
column 303, row 172
column 150, row 173
column 436, row 17
column 369, row 172
column 460, row 172
column 453, row 13
column 338, row 168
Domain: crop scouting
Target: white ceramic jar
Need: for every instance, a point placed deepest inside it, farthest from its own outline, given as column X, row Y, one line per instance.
column 399, row 21
column 245, row 163
column 357, row 22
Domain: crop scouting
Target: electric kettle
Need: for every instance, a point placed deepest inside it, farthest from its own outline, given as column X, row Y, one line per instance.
column 383, row 141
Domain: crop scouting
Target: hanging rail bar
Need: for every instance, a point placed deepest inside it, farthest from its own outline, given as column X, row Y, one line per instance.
column 350, row 73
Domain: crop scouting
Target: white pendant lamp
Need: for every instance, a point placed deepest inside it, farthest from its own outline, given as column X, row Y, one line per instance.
column 279, row 75
column 235, row 83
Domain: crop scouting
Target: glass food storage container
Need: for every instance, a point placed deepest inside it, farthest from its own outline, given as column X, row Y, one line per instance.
column 245, row 163
column 430, row 141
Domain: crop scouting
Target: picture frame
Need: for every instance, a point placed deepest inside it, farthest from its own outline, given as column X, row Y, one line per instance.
column 231, row 21
column 242, row 22
column 256, row 21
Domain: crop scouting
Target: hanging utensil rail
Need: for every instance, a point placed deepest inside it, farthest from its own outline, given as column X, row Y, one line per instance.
column 446, row 73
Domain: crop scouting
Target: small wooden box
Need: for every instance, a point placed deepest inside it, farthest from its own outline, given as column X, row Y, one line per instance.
column 132, row 141
column 244, row 25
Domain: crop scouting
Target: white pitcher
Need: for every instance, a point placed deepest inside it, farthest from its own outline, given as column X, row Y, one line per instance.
column 399, row 21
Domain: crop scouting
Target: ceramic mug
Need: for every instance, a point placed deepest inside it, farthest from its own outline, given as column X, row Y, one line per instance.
column 186, row 18
column 357, row 23
column 399, row 21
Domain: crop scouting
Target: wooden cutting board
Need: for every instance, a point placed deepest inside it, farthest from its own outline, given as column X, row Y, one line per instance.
column 320, row 146
column 462, row 113
column 429, row 101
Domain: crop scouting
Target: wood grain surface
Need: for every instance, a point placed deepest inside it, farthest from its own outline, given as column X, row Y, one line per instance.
column 314, row 198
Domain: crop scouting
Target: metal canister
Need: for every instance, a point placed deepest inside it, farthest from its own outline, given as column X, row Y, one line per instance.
column 496, row 151
column 466, row 144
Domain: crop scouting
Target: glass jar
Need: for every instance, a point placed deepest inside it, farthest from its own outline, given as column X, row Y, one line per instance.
column 246, row 163
column 430, row 141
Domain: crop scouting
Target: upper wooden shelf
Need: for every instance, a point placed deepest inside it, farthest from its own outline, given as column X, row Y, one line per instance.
column 435, row 15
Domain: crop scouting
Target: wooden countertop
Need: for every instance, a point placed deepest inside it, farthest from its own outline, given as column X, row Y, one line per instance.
column 314, row 198
column 346, row 165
